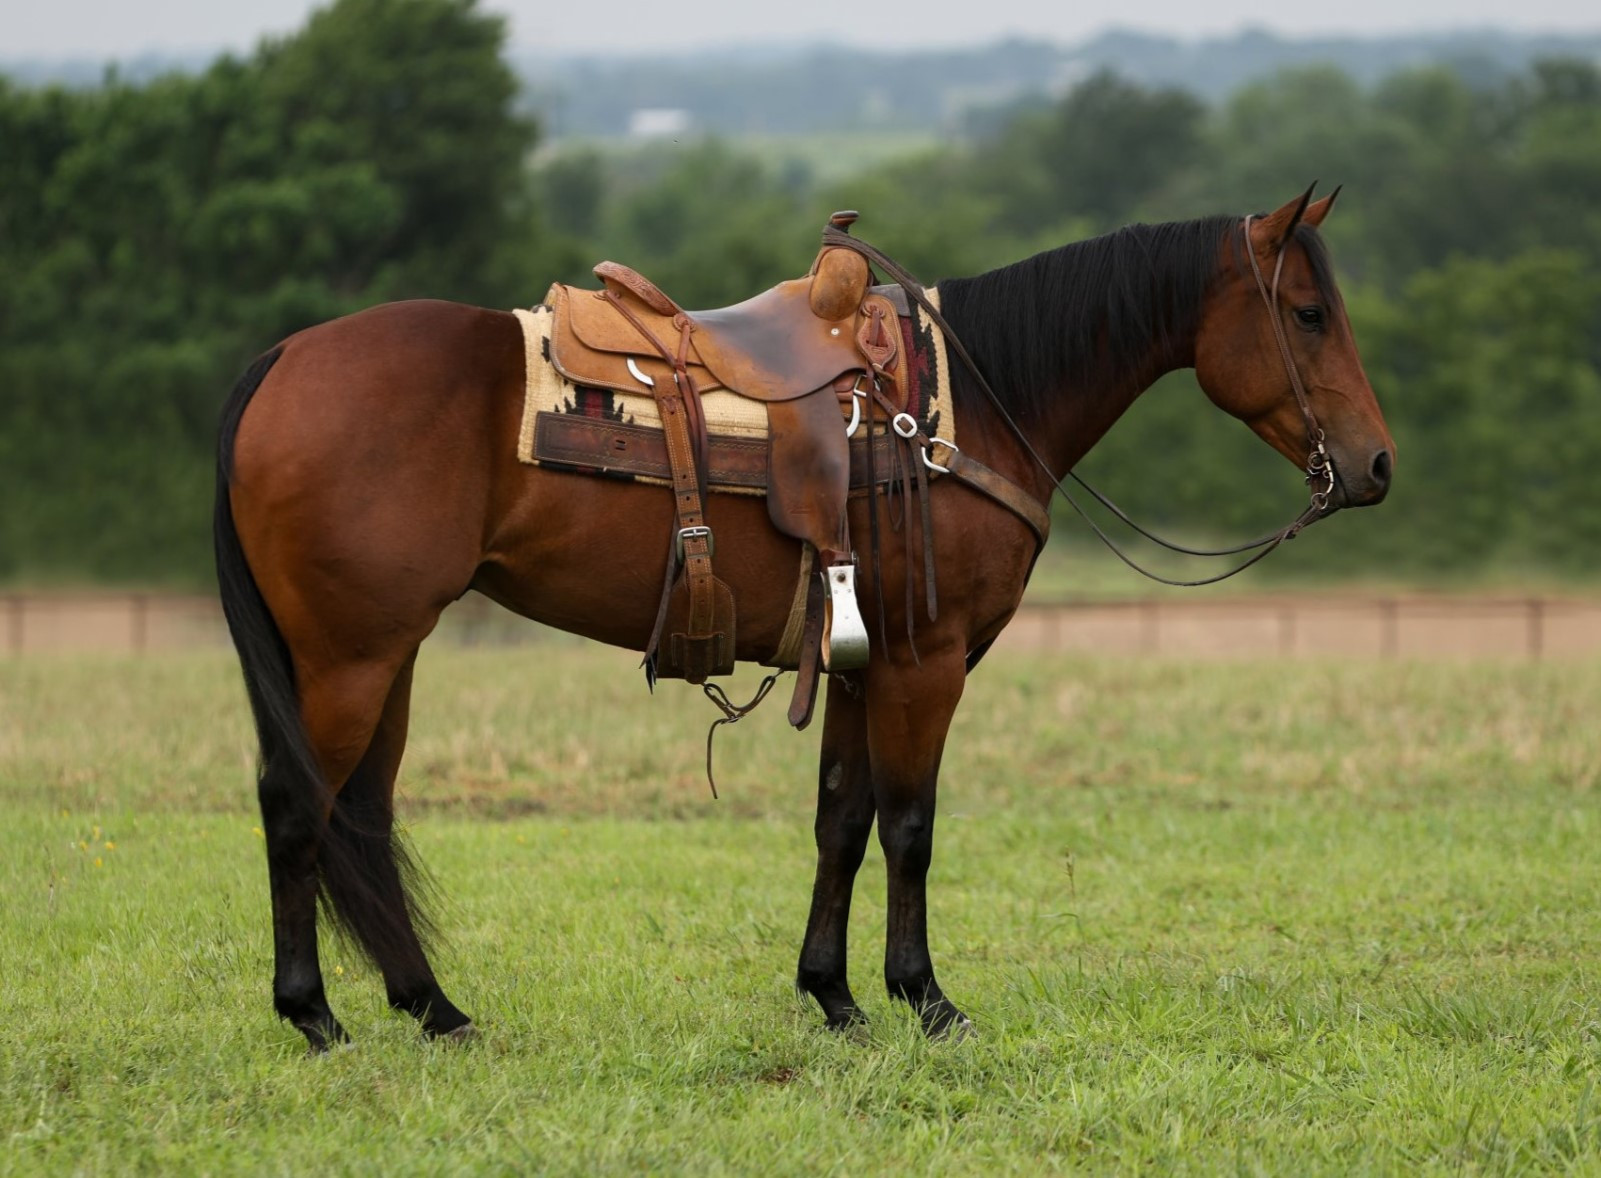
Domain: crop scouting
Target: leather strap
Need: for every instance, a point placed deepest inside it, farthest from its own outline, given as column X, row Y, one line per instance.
column 692, row 540
column 804, row 698
column 927, row 521
column 1318, row 464
column 999, row 488
column 615, row 274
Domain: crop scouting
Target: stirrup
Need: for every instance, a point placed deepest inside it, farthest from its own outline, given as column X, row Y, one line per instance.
column 844, row 632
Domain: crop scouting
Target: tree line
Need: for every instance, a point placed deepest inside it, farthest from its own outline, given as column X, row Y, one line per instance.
column 155, row 236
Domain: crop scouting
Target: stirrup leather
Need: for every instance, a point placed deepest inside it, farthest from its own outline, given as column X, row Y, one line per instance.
column 844, row 632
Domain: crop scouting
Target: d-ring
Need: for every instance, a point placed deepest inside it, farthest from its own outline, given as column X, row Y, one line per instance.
column 930, row 463
column 908, row 430
column 640, row 376
column 855, row 412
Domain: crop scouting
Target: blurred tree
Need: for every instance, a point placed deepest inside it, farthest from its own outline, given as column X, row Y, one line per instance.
column 1493, row 367
column 411, row 95
column 1097, row 155
column 712, row 227
column 153, row 238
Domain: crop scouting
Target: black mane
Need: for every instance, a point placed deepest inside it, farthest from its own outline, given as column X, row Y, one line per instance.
column 1094, row 311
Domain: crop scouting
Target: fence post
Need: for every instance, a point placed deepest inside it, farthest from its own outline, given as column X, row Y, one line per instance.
column 1536, row 628
column 1150, row 619
column 139, row 622
column 1389, row 628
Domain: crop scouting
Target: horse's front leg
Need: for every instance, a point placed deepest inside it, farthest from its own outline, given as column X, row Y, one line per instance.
column 844, row 821
column 909, row 710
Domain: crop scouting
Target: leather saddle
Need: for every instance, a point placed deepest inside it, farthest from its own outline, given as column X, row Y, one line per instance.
column 794, row 339
column 812, row 349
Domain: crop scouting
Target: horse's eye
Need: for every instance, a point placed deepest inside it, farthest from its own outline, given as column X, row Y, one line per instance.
column 1310, row 318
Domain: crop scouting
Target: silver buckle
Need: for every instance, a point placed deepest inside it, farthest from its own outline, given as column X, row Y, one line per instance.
column 908, row 430
column 930, row 463
column 697, row 533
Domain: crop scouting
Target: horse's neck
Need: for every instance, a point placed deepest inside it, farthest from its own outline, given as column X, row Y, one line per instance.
column 1072, row 336
column 1075, row 419
column 1081, row 417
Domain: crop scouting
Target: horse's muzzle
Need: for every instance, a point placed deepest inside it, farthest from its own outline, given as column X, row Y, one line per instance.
column 1367, row 488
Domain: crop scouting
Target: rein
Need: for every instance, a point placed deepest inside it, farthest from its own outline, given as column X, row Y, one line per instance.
column 1318, row 467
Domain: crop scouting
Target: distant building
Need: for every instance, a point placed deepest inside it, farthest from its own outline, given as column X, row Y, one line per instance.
column 658, row 122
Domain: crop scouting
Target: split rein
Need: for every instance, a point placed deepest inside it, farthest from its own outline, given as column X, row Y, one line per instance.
column 1319, row 468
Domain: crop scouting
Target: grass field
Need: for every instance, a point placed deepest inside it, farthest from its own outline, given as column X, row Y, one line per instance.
column 1277, row 918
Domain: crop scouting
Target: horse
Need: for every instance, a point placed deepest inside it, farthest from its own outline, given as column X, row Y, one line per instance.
column 367, row 479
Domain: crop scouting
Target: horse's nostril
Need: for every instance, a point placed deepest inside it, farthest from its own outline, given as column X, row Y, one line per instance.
column 1381, row 468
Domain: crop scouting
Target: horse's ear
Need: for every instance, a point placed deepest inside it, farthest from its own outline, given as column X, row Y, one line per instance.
column 1318, row 209
column 1273, row 230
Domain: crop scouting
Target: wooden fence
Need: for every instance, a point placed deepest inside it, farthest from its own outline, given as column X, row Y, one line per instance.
column 1359, row 626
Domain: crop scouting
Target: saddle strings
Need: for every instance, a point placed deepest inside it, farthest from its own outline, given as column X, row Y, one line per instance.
column 1315, row 510
column 732, row 714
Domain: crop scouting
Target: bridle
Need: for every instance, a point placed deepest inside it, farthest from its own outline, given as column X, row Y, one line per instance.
column 1318, row 463
column 1319, row 466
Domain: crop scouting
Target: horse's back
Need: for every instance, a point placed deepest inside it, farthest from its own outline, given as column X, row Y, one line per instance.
column 368, row 389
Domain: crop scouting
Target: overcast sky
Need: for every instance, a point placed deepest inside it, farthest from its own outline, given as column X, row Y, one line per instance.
column 125, row 28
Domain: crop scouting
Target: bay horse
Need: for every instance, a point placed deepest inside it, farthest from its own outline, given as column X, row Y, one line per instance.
column 368, row 477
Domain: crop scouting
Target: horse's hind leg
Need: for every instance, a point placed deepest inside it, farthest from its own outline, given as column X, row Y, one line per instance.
column 339, row 709
column 294, row 832
column 844, row 822
column 367, row 806
column 317, row 838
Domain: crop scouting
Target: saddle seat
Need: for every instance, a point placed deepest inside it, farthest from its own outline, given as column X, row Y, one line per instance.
column 784, row 343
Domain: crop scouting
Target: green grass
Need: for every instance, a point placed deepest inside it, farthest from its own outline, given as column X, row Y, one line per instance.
column 1276, row 918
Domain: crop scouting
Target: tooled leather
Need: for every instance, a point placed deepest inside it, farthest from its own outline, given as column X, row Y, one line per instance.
column 625, row 278
column 591, row 344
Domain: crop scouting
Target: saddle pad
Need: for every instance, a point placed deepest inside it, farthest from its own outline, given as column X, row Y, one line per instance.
column 738, row 421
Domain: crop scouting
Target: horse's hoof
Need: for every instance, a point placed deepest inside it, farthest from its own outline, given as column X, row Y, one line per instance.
column 852, row 1026
column 850, row 1019
column 319, row 1050
column 960, row 1031
column 322, row 1035
column 465, row 1033
column 950, row 1027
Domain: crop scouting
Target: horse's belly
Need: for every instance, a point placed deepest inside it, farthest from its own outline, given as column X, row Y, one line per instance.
column 588, row 555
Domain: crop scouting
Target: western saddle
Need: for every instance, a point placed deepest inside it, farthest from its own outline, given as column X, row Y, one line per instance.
column 810, row 349
column 814, row 351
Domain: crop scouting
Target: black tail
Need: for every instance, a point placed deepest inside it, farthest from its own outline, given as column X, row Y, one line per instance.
column 363, row 872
